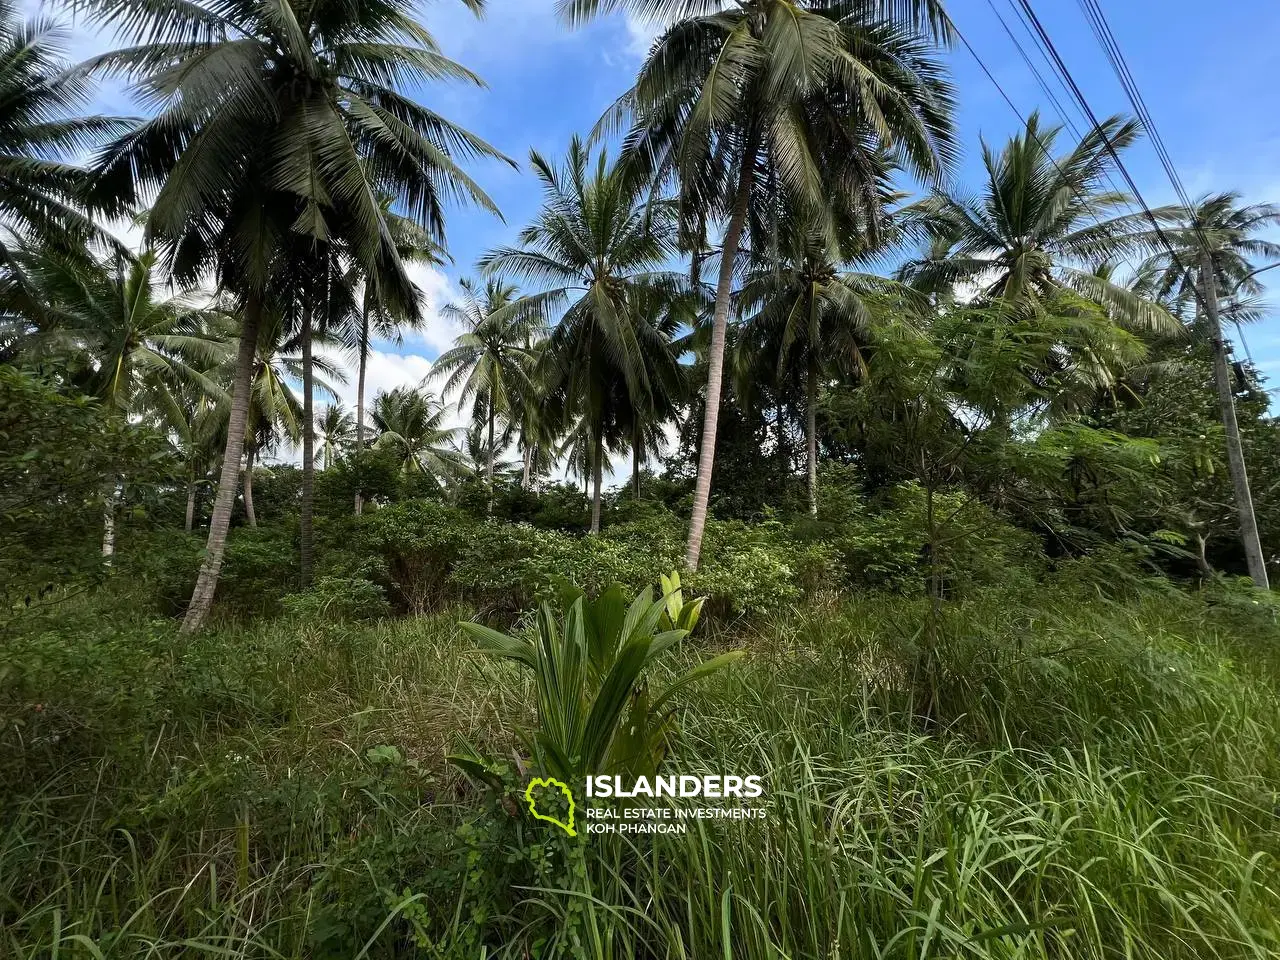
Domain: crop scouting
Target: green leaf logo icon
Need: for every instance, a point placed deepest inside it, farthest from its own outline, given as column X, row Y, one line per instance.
column 530, row 796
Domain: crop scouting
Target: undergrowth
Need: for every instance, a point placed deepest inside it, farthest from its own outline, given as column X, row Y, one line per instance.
column 1045, row 773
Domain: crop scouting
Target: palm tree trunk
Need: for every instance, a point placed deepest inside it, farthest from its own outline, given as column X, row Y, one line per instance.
column 596, row 471
column 307, row 518
column 191, row 504
column 109, row 524
column 637, row 457
column 364, row 362
column 715, row 359
column 811, row 432
column 1235, row 451
column 492, row 453
column 526, row 481
column 779, row 415
column 250, row 514
column 220, row 521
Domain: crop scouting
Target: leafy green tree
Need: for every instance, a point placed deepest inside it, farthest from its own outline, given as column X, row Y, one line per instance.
column 118, row 339
column 50, row 513
column 274, row 132
column 598, row 249
column 767, row 97
column 492, row 359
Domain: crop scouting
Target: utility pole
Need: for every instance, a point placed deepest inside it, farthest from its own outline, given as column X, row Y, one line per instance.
column 1235, row 452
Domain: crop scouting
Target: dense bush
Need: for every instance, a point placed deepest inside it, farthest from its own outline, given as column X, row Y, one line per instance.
column 281, row 792
column 338, row 598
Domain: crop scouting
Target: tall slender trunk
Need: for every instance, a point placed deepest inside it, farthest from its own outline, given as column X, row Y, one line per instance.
column 526, row 481
column 596, row 471
column 364, row 362
column 307, row 518
column 220, row 521
column 811, row 431
column 250, row 514
column 637, row 460
column 492, row 454
column 779, row 418
column 109, row 523
column 1235, row 451
column 715, row 358
column 191, row 503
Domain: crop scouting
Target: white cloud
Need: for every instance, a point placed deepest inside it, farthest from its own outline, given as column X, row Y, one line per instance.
column 438, row 331
column 641, row 34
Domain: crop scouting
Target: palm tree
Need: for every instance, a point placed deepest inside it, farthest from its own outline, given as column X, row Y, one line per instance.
column 599, row 250
column 275, row 130
column 411, row 422
column 476, row 459
column 276, row 412
column 128, row 347
column 492, row 357
column 40, row 195
column 336, row 431
column 1040, row 226
column 806, row 312
column 1213, row 261
column 377, row 318
column 746, row 101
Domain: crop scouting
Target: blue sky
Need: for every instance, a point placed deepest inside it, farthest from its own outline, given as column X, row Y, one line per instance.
column 1208, row 73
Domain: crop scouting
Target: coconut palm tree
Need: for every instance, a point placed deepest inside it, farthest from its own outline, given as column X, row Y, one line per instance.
column 124, row 344
column 747, row 101
column 1212, row 265
column 41, row 195
column 274, row 131
column 807, row 313
column 377, row 316
column 491, row 359
column 598, row 249
column 336, row 431
column 411, row 422
column 1039, row 226
column 276, row 412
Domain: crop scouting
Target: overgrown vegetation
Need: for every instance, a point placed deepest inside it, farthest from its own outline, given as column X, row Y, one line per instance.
column 964, row 546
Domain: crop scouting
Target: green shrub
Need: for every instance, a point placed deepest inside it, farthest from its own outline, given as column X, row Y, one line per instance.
column 419, row 542
column 339, row 598
column 751, row 580
column 889, row 548
column 260, row 568
column 506, row 567
column 595, row 710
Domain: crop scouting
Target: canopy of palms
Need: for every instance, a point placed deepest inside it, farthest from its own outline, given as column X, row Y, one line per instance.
column 758, row 101
column 1041, row 225
column 336, row 431
column 115, row 336
column 276, row 128
column 599, row 252
column 806, row 315
column 40, row 194
column 491, row 362
column 412, row 423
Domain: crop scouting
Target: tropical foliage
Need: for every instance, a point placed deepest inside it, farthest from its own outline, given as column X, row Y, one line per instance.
column 959, row 478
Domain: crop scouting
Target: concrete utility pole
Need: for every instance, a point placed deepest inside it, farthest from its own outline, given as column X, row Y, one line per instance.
column 1235, row 452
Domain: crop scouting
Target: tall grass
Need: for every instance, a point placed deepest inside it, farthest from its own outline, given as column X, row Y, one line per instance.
column 1057, row 776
